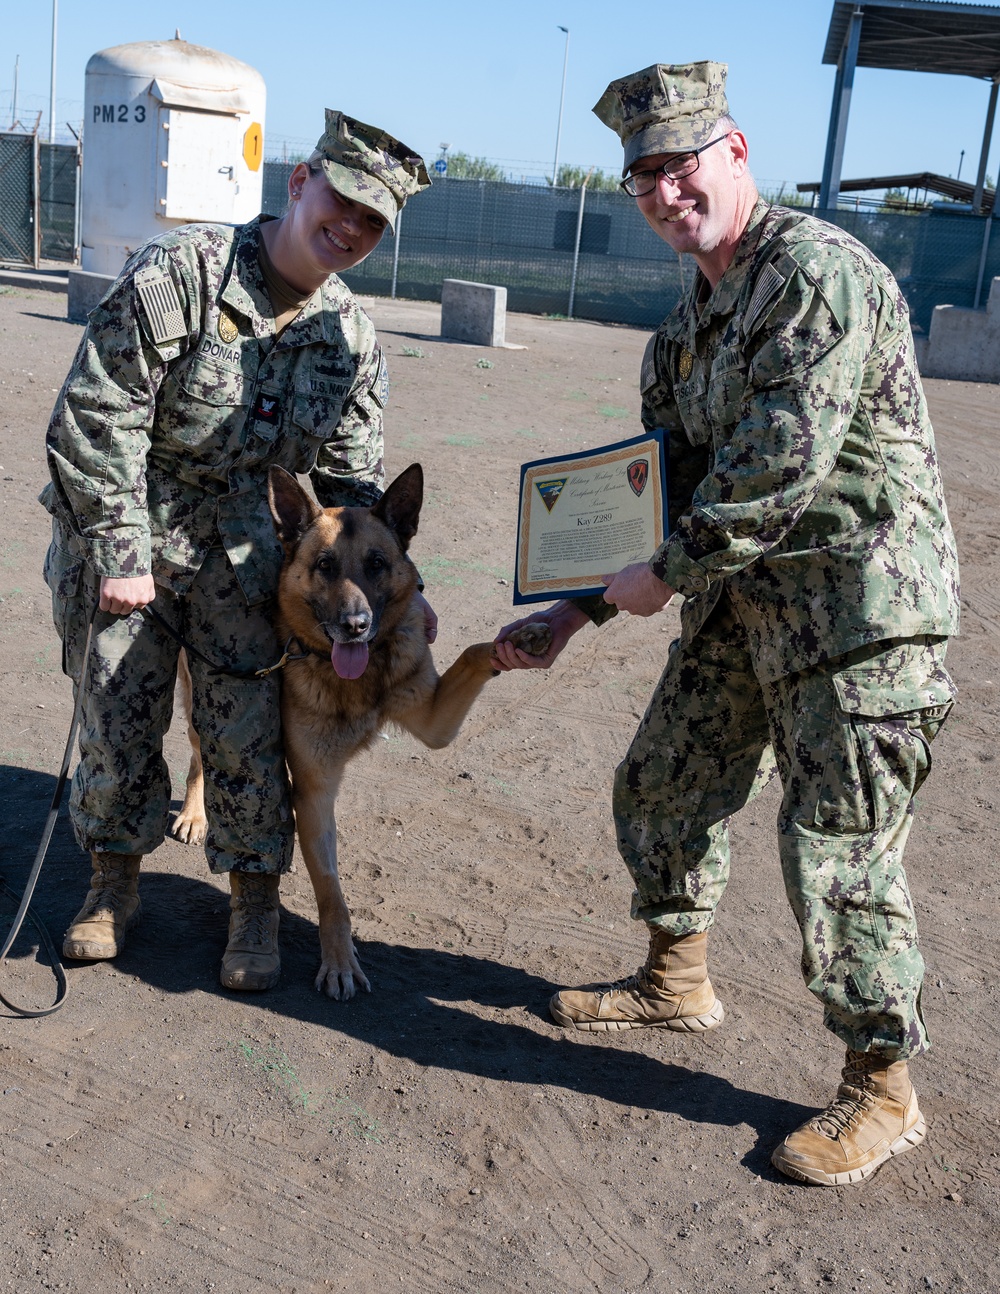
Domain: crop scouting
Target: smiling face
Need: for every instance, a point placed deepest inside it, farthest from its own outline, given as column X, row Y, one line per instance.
column 322, row 232
column 702, row 215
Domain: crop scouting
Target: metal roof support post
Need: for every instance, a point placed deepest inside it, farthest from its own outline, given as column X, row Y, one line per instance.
column 977, row 197
column 839, row 112
column 987, row 230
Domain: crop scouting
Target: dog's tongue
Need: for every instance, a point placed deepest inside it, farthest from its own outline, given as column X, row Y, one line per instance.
column 349, row 659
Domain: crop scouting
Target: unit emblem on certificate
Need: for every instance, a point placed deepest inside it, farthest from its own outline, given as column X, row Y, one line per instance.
column 550, row 490
column 638, row 475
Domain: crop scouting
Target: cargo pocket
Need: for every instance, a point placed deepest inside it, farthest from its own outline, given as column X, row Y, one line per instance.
column 879, row 745
column 63, row 573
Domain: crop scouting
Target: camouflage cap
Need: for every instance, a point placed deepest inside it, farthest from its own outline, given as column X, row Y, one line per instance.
column 368, row 165
column 666, row 108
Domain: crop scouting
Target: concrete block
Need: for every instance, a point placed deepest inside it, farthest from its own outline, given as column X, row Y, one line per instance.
column 473, row 312
column 86, row 289
column 962, row 344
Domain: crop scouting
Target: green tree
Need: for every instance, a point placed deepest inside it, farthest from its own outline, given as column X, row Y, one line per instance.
column 463, row 167
column 785, row 197
column 572, row 177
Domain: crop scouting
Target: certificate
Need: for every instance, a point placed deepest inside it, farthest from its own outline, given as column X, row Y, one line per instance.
column 588, row 515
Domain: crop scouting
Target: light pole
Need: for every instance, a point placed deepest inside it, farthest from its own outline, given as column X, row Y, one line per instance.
column 562, row 96
column 52, row 81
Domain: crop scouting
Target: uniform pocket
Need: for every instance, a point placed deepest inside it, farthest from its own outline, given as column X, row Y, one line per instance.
column 202, row 410
column 879, row 745
column 62, row 572
column 727, row 384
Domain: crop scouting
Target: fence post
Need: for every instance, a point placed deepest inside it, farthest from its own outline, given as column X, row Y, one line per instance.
column 982, row 259
column 395, row 253
column 576, row 249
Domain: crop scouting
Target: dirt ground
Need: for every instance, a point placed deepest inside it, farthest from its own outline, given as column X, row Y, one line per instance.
column 441, row 1135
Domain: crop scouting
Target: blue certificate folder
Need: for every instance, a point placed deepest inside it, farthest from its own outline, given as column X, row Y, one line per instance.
column 568, row 536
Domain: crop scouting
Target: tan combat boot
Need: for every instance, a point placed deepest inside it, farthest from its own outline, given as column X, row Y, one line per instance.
column 873, row 1117
column 110, row 908
column 251, row 961
column 672, row 991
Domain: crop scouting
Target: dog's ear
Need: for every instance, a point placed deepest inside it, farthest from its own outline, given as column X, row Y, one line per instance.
column 292, row 509
column 399, row 507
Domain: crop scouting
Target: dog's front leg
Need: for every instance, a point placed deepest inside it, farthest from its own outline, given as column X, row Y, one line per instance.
column 340, row 974
column 437, row 720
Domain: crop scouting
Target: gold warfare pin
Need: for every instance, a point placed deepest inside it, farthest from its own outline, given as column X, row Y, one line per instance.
column 228, row 330
column 686, row 364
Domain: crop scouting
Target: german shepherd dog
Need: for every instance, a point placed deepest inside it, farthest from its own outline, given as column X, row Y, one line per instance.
column 346, row 598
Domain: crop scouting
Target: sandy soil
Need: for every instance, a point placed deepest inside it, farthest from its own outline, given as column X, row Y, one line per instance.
column 441, row 1135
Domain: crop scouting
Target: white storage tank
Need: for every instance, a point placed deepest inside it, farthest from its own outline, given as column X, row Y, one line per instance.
column 172, row 133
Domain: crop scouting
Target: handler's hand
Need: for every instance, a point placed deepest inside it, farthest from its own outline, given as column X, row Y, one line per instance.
column 122, row 597
column 563, row 618
column 430, row 618
column 637, row 590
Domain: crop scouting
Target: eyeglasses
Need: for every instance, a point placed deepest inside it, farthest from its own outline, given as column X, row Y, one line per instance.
column 642, row 183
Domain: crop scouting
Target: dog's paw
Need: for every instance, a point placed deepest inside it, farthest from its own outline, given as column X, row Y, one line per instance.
column 341, row 982
column 534, row 638
column 189, row 827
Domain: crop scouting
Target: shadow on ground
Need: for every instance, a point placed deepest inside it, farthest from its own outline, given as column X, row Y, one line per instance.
column 414, row 1011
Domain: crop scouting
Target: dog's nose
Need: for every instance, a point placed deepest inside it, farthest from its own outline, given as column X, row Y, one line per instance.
column 357, row 625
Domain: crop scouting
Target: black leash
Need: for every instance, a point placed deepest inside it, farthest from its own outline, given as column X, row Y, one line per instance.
column 286, row 656
column 25, row 906
column 24, row 910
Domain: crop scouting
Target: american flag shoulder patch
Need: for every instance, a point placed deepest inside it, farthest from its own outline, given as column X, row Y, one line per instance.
column 161, row 305
column 769, row 283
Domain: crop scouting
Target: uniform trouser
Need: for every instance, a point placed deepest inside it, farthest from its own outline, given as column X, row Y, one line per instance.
column 120, row 796
column 851, row 740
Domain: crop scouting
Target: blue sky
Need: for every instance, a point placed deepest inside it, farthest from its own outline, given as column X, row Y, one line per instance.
column 486, row 78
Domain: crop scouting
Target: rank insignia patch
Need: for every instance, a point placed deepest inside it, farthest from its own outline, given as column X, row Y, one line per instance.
column 685, row 365
column 267, row 408
column 228, row 330
column 638, row 475
column 551, row 490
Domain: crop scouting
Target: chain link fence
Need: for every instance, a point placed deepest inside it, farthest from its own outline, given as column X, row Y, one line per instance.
column 38, row 199
column 522, row 237
column 19, row 242
column 57, row 189
column 591, row 255
column 561, row 252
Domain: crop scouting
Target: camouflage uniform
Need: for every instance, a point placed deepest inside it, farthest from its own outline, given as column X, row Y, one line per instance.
column 809, row 537
column 179, row 400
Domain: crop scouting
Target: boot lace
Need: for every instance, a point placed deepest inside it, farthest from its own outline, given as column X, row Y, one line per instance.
column 855, row 1098
column 111, row 893
column 637, row 982
column 253, row 913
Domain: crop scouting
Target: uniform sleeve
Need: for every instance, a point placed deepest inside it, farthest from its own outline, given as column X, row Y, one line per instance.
column 350, row 471
column 798, row 381
column 99, row 433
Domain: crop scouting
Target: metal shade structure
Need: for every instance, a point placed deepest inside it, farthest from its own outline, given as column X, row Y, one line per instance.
column 946, row 185
column 912, row 36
